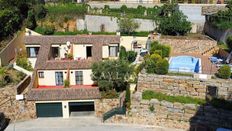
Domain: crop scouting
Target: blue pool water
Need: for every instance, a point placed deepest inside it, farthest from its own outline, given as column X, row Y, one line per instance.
column 184, row 64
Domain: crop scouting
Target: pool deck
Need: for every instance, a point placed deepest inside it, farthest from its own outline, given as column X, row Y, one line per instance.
column 207, row 66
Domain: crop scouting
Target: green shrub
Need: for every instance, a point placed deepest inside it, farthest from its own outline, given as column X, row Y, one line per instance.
column 150, row 66
column 139, row 68
column 47, row 30
column 162, row 67
column 122, row 53
column 224, row 72
column 155, row 57
column 151, row 108
column 229, row 42
column 162, row 50
column 131, row 56
column 148, row 95
column 109, row 94
column 66, row 83
column 24, row 63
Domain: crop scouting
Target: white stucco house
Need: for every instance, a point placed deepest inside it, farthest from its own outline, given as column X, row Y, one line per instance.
column 58, row 60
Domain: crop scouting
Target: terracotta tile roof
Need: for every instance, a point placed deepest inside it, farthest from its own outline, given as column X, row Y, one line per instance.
column 43, row 62
column 63, row 94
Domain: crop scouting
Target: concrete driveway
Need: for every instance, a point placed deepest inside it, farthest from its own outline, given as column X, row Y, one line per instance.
column 77, row 124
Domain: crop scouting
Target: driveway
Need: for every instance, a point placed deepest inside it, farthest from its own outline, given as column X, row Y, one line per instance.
column 77, row 124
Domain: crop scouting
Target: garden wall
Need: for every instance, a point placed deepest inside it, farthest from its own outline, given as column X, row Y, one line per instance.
column 94, row 23
column 104, row 105
column 185, row 86
column 8, row 53
column 174, row 115
column 19, row 110
column 217, row 34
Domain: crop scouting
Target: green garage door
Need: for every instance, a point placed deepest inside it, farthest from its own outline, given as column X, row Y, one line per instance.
column 49, row 109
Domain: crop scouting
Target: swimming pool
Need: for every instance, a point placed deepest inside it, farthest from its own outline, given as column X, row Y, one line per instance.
column 185, row 64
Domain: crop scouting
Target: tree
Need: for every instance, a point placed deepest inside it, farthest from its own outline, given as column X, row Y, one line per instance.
column 229, row 42
column 122, row 53
column 128, row 25
column 172, row 21
column 31, row 21
column 9, row 22
column 40, row 12
column 111, row 74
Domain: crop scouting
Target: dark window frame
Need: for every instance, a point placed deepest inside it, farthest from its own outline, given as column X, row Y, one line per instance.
column 29, row 52
column 41, row 74
column 79, row 77
column 59, row 78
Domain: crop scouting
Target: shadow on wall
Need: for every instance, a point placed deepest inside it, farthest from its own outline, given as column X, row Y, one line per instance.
column 215, row 33
column 215, row 113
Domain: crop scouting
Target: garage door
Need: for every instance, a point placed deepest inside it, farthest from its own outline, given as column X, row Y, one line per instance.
column 49, row 109
column 81, row 108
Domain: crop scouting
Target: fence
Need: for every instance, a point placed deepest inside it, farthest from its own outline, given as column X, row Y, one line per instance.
column 8, row 53
column 23, row 84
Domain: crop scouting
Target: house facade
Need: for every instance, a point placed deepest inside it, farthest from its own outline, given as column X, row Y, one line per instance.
column 61, row 84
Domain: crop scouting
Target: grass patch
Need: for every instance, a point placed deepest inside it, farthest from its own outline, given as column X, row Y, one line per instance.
column 148, row 95
column 141, row 34
column 68, row 8
column 83, row 33
column 180, row 74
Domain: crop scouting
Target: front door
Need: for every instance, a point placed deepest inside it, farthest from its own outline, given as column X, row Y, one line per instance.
column 59, row 78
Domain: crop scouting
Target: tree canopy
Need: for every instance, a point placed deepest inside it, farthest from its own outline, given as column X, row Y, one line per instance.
column 128, row 25
column 14, row 12
column 111, row 74
column 172, row 21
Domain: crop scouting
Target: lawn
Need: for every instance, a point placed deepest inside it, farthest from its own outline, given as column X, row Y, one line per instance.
column 148, row 95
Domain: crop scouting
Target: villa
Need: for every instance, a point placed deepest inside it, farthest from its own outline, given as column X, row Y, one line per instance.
column 61, row 84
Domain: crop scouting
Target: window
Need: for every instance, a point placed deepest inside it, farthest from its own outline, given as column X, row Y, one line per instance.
column 59, row 78
column 113, row 51
column 32, row 52
column 55, row 52
column 79, row 77
column 41, row 74
column 89, row 51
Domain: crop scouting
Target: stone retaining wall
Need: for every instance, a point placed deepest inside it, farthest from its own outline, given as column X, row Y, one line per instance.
column 19, row 110
column 185, row 86
column 174, row 115
column 104, row 105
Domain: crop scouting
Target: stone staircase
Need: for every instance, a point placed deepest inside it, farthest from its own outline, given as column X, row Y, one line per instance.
column 211, row 51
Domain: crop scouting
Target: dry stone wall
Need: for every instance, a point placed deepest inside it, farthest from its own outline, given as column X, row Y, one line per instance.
column 174, row 115
column 19, row 110
column 184, row 86
column 104, row 105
